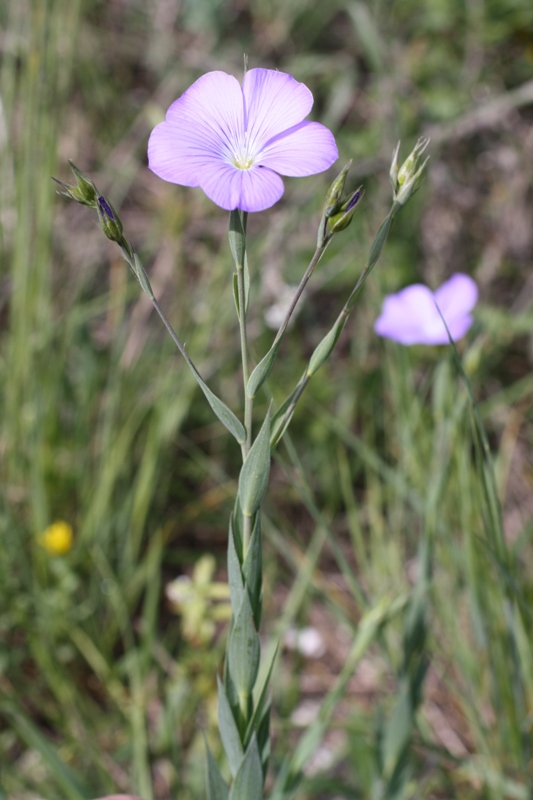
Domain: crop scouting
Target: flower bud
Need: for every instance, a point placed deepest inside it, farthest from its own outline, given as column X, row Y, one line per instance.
column 394, row 169
column 342, row 219
column 406, row 180
column 85, row 192
column 109, row 220
column 334, row 196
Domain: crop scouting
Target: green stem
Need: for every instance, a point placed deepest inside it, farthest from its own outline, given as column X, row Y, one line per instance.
column 248, row 401
column 375, row 252
column 319, row 252
column 174, row 336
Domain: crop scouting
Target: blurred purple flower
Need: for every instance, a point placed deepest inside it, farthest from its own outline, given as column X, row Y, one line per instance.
column 232, row 140
column 411, row 316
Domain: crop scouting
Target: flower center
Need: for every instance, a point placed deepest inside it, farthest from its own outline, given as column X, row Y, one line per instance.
column 243, row 160
column 244, row 153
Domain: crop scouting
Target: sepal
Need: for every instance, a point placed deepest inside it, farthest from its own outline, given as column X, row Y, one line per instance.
column 333, row 201
column 85, row 192
column 109, row 220
column 406, row 180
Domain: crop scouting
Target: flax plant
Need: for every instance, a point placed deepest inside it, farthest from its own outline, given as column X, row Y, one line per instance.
column 235, row 143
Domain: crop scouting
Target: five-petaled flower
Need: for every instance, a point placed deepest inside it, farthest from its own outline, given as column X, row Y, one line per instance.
column 412, row 315
column 234, row 142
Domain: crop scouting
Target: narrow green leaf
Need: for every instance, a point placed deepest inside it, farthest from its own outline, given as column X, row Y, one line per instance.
column 70, row 784
column 398, row 731
column 246, row 283
column 142, row 277
column 236, row 293
column 279, row 423
column 216, row 787
column 253, row 480
column 379, row 241
column 237, row 529
column 237, row 238
column 225, row 415
column 236, row 586
column 285, row 405
column 229, row 732
column 323, row 350
column 248, row 783
column 246, row 274
column 493, row 513
column 369, row 627
column 262, row 371
column 253, row 570
column 244, row 651
column 231, row 692
column 263, row 738
column 261, row 698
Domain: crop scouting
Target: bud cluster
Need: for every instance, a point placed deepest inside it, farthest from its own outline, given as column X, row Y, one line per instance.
column 338, row 210
column 86, row 193
column 407, row 179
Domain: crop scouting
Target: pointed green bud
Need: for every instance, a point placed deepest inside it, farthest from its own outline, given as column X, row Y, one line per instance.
column 333, row 201
column 85, row 192
column 409, row 166
column 109, row 220
column 341, row 220
column 408, row 178
column 394, row 168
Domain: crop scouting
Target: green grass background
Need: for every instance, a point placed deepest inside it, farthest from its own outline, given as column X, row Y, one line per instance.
column 101, row 424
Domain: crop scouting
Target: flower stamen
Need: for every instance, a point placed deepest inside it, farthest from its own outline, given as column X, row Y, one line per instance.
column 244, row 161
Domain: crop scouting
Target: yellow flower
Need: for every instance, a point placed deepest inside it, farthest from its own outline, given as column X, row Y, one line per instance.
column 57, row 538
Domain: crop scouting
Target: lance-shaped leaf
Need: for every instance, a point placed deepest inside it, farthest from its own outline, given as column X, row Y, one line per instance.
column 261, row 698
column 228, row 730
column 237, row 529
column 248, row 783
column 262, row 371
column 225, row 415
column 237, row 238
column 237, row 243
column 253, row 480
column 246, row 276
column 216, row 787
column 244, row 651
column 263, row 738
column 280, row 422
column 253, row 569
column 141, row 276
column 381, row 237
column 231, row 694
column 323, row 350
column 236, row 586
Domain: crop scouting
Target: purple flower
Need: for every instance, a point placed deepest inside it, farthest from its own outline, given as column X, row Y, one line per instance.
column 411, row 316
column 232, row 141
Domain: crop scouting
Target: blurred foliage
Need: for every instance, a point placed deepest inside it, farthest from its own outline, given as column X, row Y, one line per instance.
column 102, row 427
